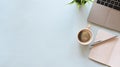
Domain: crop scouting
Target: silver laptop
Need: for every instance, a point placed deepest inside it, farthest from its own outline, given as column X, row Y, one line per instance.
column 106, row 13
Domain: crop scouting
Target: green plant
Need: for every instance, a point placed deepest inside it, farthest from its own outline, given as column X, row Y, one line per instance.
column 80, row 2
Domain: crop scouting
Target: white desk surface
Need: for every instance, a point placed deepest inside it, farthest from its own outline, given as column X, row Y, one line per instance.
column 42, row 33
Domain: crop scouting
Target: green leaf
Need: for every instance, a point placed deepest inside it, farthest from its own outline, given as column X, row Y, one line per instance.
column 71, row 2
column 80, row 2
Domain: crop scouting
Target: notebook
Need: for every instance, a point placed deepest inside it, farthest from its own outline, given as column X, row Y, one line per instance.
column 107, row 52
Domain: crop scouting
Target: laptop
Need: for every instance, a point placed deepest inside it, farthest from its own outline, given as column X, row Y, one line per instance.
column 106, row 13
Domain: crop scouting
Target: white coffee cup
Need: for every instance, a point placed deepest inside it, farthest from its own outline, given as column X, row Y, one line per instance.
column 85, row 36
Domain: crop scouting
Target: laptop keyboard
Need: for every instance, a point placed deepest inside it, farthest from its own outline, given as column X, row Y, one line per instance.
column 115, row 4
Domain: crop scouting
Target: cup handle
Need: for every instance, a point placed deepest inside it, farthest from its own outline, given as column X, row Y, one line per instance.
column 88, row 26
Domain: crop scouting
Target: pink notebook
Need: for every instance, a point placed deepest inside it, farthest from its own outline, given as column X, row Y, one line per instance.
column 108, row 52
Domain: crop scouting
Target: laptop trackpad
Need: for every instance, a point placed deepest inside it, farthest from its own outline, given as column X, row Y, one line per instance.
column 98, row 14
column 113, row 20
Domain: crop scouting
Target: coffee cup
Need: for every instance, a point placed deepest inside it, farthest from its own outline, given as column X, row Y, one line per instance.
column 85, row 36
